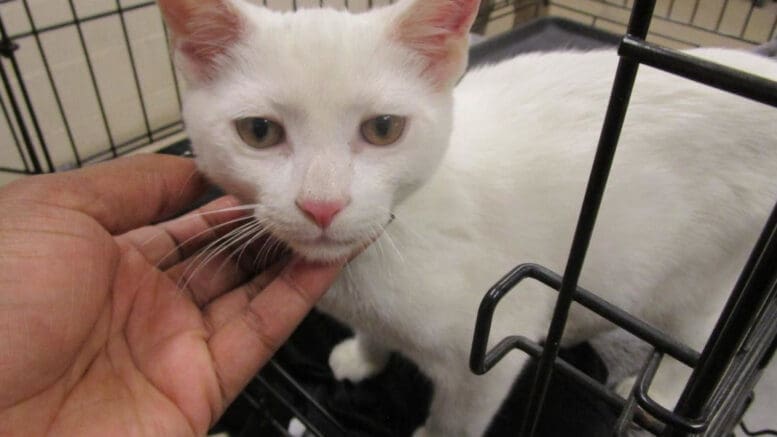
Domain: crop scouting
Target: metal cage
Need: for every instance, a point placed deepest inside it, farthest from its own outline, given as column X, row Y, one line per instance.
column 745, row 336
column 724, row 371
column 85, row 81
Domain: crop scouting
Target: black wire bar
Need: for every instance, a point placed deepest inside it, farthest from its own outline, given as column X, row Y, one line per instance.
column 285, row 376
column 613, row 123
column 482, row 361
column 284, row 388
column 692, row 22
column 54, row 88
column 754, row 290
column 93, row 77
column 23, row 132
column 8, row 52
column 133, row 65
column 630, row 412
column 137, row 142
column 700, row 70
column 14, row 136
column 745, row 372
column 79, row 19
column 36, row 154
column 289, row 404
column 745, row 308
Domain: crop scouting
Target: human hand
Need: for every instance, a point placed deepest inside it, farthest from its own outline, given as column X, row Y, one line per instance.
column 97, row 336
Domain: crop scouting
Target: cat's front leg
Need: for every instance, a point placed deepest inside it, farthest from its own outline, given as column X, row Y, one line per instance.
column 463, row 404
column 358, row 358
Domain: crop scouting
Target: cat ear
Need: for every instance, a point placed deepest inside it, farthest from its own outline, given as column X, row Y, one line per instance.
column 202, row 33
column 438, row 30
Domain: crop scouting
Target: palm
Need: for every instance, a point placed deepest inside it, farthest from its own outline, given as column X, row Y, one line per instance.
column 108, row 337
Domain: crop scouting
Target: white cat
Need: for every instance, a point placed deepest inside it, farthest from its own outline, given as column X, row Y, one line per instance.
column 333, row 123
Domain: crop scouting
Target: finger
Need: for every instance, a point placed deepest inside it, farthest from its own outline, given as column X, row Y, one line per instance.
column 241, row 346
column 219, row 269
column 228, row 306
column 121, row 194
column 168, row 243
column 204, row 281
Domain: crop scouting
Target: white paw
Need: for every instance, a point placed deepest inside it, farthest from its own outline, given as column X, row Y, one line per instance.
column 348, row 361
column 625, row 386
column 663, row 398
column 421, row 432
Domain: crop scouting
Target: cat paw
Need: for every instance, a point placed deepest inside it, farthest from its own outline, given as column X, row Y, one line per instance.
column 624, row 387
column 421, row 432
column 662, row 397
column 348, row 361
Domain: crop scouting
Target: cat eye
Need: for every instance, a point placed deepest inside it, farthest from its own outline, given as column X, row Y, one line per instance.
column 260, row 133
column 383, row 130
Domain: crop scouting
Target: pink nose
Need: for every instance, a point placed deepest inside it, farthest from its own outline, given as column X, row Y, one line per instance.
column 321, row 212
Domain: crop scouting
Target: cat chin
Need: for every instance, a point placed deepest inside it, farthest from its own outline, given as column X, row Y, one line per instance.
column 325, row 253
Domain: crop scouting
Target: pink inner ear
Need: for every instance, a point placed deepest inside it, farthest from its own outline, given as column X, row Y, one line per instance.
column 456, row 16
column 437, row 29
column 202, row 30
column 211, row 31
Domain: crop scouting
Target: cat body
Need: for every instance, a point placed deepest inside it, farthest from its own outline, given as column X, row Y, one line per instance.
column 690, row 190
column 346, row 129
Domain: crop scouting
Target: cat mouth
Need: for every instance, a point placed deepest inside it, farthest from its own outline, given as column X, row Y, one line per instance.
column 327, row 249
column 325, row 239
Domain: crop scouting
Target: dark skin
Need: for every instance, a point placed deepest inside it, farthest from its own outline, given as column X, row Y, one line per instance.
column 98, row 333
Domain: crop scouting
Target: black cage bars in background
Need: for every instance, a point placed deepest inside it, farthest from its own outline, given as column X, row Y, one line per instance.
column 83, row 81
column 682, row 23
column 87, row 80
column 742, row 342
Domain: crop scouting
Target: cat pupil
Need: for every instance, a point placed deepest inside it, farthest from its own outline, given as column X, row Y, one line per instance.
column 383, row 125
column 261, row 128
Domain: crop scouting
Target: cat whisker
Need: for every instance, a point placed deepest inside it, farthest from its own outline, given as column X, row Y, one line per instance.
column 216, row 247
column 201, row 214
column 390, row 240
column 262, row 255
column 224, row 237
column 203, row 257
column 398, row 225
column 349, row 281
column 372, row 235
column 243, row 246
column 235, row 239
column 267, row 252
column 194, row 237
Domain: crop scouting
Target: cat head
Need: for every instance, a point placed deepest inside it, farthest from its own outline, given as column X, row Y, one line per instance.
column 324, row 119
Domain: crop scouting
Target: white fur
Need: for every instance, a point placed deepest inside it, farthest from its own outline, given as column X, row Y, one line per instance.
column 355, row 360
column 692, row 183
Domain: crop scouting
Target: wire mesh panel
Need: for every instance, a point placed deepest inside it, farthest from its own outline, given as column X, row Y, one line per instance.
column 86, row 80
column 682, row 23
column 98, row 76
column 743, row 339
column 676, row 23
